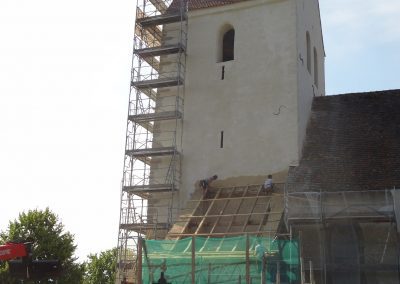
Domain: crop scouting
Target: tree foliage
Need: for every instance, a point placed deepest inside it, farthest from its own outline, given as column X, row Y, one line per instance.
column 4, row 275
column 50, row 240
column 101, row 268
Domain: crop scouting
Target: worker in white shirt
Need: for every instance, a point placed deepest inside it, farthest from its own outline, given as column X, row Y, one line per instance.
column 259, row 252
column 268, row 184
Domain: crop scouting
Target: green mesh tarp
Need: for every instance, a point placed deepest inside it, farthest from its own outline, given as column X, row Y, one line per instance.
column 220, row 260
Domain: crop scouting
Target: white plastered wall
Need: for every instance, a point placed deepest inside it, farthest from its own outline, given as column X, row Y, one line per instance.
column 255, row 105
column 308, row 20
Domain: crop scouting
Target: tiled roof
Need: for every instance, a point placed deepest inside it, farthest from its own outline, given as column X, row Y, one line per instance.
column 201, row 4
column 352, row 143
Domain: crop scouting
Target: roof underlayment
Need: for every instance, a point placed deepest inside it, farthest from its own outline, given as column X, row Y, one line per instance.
column 231, row 211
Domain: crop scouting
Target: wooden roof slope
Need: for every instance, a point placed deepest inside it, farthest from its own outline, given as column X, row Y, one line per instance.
column 232, row 211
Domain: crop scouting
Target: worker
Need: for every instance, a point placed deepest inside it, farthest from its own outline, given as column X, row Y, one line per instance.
column 259, row 252
column 205, row 183
column 268, row 184
column 162, row 279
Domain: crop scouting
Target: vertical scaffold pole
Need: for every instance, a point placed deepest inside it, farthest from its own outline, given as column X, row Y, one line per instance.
column 263, row 269
column 139, row 261
column 247, row 260
column 278, row 273
column 193, row 260
column 209, row 274
column 302, row 276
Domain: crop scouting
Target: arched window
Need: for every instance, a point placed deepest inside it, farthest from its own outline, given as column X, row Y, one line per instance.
column 308, row 39
column 228, row 45
column 315, row 67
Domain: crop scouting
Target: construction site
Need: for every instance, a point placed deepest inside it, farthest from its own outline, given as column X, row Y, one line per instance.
column 236, row 88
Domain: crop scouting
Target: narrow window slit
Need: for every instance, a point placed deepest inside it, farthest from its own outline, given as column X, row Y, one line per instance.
column 228, row 46
column 223, row 73
column 222, row 139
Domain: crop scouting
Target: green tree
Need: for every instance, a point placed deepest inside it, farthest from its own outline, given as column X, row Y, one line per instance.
column 101, row 268
column 4, row 275
column 50, row 241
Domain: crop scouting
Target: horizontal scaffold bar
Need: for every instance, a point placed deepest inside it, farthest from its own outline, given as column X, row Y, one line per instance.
column 144, row 226
column 230, row 215
column 165, row 115
column 152, row 152
column 151, row 188
column 226, row 234
column 359, row 218
column 163, row 19
column 158, row 83
column 160, row 50
column 239, row 198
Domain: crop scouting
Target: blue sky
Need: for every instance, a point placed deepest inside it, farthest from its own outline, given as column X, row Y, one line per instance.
column 64, row 83
column 362, row 41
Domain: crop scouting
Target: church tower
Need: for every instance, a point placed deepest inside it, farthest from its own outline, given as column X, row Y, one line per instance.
column 218, row 87
column 253, row 68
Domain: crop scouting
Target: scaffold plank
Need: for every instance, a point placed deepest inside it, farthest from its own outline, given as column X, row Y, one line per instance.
column 151, row 152
column 139, row 227
column 163, row 19
column 165, row 115
column 158, row 83
column 151, row 188
column 159, row 50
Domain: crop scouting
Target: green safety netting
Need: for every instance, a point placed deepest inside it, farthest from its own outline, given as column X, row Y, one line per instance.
column 220, row 260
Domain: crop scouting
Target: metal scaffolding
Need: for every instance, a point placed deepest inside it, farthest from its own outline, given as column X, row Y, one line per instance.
column 215, row 238
column 350, row 236
column 151, row 172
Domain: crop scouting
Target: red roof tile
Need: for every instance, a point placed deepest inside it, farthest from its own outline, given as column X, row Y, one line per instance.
column 201, row 4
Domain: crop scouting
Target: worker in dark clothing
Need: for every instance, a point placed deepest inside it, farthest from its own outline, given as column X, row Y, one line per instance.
column 204, row 183
column 162, row 279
